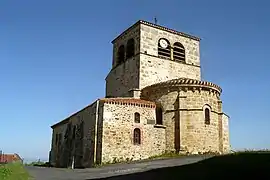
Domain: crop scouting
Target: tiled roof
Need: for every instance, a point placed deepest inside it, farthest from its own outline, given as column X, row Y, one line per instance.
column 9, row 158
column 66, row 120
column 158, row 27
column 184, row 82
column 129, row 101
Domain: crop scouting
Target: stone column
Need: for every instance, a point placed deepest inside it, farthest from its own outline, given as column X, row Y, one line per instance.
column 171, row 48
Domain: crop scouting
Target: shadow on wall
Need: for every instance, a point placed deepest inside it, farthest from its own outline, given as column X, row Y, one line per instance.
column 236, row 166
column 99, row 137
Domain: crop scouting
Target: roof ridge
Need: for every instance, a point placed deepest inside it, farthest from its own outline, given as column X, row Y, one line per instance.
column 158, row 27
column 182, row 81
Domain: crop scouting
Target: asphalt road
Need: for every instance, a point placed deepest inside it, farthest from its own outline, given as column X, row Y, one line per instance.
column 42, row 173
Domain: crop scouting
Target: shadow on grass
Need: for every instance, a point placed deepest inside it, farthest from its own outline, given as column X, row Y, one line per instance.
column 233, row 166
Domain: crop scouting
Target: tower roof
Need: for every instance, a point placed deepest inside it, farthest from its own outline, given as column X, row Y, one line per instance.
column 184, row 82
column 157, row 27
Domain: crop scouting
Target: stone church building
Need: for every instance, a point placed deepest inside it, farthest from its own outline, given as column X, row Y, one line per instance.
column 155, row 102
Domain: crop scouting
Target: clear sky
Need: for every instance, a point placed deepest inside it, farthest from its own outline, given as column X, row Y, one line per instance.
column 55, row 55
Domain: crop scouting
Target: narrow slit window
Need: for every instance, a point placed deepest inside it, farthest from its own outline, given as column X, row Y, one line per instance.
column 207, row 116
column 137, row 136
column 137, row 117
column 74, row 132
column 159, row 118
column 130, row 48
column 121, row 54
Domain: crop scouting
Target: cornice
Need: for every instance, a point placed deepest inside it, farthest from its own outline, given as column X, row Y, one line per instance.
column 157, row 27
column 184, row 83
column 129, row 102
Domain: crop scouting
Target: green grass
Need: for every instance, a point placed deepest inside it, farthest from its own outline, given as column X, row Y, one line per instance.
column 13, row 171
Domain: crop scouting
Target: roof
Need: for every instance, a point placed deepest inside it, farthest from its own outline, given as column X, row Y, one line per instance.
column 67, row 119
column 158, row 27
column 183, row 82
column 7, row 158
column 129, row 101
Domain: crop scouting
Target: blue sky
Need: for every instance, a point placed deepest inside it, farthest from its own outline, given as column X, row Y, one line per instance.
column 55, row 55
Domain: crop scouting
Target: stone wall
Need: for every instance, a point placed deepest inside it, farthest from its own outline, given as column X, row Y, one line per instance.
column 226, row 140
column 132, row 32
column 56, row 148
column 154, row 70
column 158, row 69
column 183, row 116
column 118, row 127
column 80, row 145
column 123, row 78
column 146, row 68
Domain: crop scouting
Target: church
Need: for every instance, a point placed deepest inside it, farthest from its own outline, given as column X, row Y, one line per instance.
column 155, row 103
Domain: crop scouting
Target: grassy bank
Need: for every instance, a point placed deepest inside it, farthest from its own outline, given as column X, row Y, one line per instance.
column 13, row 171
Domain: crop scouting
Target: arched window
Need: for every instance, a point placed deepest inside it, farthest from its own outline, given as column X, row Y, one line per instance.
column 136, row 117
column 164, row 50
column 121, row 54
column 130, row 48
column 207, row 116
column 137, row 136
column 159, row 118
column 178, row 52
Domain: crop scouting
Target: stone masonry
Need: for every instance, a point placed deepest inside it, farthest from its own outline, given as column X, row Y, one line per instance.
column 118, row 126
column 183, row 103
column 155, row 103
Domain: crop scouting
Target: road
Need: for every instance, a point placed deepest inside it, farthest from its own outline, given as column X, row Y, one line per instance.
column 42, row 173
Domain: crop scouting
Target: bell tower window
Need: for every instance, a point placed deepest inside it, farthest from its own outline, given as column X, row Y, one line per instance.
column 130, row 48
column 164, row 49
column 178, row 52
column 121, row 54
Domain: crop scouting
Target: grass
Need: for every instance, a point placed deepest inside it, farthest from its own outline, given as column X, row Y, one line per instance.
column 13, row 171
column 237, row 165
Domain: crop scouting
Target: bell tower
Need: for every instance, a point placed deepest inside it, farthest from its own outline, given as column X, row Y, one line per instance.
column 147, row 54
column 123, row 78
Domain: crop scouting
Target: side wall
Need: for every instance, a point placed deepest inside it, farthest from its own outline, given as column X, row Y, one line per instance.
column 226, row 140
column 123, row 78
column 56, row 147
column 118, row 128
column 82, row 146
column 154, row 70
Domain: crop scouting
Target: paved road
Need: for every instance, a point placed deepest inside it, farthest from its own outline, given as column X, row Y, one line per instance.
column 41, row 173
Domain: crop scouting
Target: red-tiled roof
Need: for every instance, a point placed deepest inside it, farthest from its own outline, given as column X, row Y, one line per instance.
column 9, row 158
